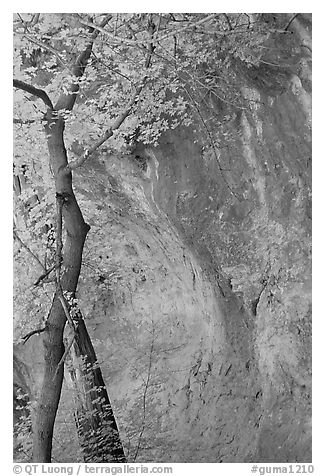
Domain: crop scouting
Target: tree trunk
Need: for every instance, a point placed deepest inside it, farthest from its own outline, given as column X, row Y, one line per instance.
column 76, row 232
column 97, row 429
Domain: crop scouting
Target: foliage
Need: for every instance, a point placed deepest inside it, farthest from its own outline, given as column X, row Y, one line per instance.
column 191, row 68
column 22, row 426
column 189, row 52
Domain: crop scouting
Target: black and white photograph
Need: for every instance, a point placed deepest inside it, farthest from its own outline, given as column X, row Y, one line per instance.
column 162, row 225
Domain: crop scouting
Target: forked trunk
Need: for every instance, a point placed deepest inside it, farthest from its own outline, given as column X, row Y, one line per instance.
column 95, row 401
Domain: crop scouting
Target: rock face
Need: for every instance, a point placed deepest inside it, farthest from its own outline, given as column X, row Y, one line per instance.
column 200, row 303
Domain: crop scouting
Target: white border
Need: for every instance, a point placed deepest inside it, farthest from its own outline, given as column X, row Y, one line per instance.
column 6, row 277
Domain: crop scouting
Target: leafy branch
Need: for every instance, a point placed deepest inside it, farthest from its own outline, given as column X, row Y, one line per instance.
column 44, row 46
column 109, row 132
column 116, row 39
column 67, row 101
column 125, row 112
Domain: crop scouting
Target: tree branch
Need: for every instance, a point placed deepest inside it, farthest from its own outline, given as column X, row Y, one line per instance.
column 66, row 309
column 44, row 275
column 117, row 39
column 32, row 22
column 67, row 101
column 130, row 42
column 186, row 27
column 81, row 63
column 227, row 20
column 118, row 122
column 212, row 144
column 150, row 47
column 48, row 48
column 24, row 121
column 40, row 93
column 64, row 356
column 114, row 70
column 125, row 113
column 290, row 21
column 29, row 250
column 144, row 398
column 30, row 334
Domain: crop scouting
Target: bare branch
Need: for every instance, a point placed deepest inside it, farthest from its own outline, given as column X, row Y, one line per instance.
column 306, row 46
column 179, row 68
column 17, row 237
column 40, row 93
column 114, row 70
column 127, row 41
column 212, row 144
column 186, row 27
column 30, row 334
column 228, row 21
column 24, row 121
column 151, row 48
column 290, row 21
column 27, row 23
column 44, row 275
column 65, row 308
column 35, row 19
column 145, row 392
column 235, row 30
column 64, row 356
column 116, row 39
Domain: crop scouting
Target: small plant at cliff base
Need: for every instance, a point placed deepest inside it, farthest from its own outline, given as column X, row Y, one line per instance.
column 96, row 427
column 81, row 81
column 22, row 427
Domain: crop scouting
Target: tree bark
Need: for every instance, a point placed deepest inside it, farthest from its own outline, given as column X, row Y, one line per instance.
column 76, row 232
column 97, row 429
column 93, row 384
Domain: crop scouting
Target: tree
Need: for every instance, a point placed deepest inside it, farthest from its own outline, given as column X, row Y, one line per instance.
column 99, row 79
column 69, row 258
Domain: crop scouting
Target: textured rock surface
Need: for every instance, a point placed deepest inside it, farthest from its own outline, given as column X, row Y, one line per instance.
column 202, row 314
